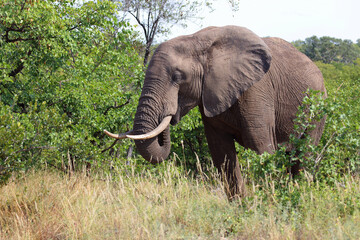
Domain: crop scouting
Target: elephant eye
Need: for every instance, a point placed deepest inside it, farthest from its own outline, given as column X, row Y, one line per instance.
column 177, row 76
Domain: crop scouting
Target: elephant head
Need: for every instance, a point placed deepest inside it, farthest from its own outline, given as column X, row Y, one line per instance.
column 210, row 69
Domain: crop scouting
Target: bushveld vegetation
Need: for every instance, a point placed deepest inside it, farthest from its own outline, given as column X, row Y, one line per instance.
column 68, row 71
column 171, row 204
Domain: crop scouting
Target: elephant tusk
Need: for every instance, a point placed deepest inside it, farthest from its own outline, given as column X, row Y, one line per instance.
column 165, row 122
column 117, row 136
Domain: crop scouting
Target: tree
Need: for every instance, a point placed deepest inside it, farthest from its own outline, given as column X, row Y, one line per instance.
column 158, row 16
column 328, row 49
column 311, row 48
column 66, row 73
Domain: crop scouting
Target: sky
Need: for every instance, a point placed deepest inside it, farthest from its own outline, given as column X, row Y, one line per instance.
column 289, row 19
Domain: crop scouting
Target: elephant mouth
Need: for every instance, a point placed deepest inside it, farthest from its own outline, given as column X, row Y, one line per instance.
column 160, row 139
column 175, row 118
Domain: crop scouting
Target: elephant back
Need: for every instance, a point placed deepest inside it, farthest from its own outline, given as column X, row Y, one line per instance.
column 292, row 68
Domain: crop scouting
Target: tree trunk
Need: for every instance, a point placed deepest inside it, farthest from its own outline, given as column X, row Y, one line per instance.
column 147, row 54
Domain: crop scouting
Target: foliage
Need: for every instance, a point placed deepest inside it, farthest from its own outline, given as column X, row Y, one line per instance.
column 342, row 130
column 189, row 141
column 67, row 72
column 328, row 49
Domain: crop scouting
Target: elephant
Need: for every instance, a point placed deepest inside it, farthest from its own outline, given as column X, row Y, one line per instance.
column 247, row 88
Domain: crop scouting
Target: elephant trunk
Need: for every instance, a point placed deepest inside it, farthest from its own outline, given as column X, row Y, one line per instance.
column 156, row 149
column 148, row 116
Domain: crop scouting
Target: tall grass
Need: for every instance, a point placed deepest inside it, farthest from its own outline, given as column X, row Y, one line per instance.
column 172, row 205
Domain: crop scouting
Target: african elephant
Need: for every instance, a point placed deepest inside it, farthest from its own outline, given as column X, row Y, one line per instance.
column 248, row 89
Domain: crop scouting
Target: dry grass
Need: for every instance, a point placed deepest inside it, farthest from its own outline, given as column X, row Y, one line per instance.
column 47, row 205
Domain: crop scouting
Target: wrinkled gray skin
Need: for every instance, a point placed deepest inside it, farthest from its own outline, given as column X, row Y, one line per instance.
column 248, row 89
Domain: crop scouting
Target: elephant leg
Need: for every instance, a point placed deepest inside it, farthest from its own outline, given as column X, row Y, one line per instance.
column 222, row 149
column 260, row 139
column 295, row 168
column 315, row 134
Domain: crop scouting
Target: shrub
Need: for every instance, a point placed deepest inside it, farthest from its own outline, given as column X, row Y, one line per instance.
column 67, row 71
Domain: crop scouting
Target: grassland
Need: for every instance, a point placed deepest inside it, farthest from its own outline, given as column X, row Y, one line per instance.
column 173, row 205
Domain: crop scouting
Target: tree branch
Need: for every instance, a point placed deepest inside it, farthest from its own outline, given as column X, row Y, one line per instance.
column 19, row 68
column 18, row 39
column 28, row 149
column 14, row 72
column 154, row 28
column 139, row 22
column 115, row 107
column 148, row 27
column 112, row 145
column 97, row 64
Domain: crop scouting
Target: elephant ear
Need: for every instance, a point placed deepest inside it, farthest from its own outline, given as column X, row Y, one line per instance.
column 237, row 58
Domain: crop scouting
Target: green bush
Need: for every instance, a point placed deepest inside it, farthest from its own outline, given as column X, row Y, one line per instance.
column 68, row 71
column 189, row 141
